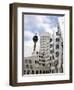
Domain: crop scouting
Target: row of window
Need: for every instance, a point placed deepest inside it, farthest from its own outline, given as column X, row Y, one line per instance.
column 57, row 40
column 43, row 64
column 57, row 53
column 27, row 60
column 51, row 45
column 43, row 71
column 29, row 66
column 42, row 60
column 57, row 46
column 38, row 62
column 37, row 71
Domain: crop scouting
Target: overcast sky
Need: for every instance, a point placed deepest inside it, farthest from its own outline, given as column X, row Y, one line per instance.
column 37, row 24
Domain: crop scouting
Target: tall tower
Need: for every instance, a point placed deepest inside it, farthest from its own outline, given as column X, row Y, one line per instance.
column 35, row 39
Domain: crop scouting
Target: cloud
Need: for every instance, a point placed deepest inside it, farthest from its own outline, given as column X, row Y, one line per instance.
column 37, row 24
column 28, row 35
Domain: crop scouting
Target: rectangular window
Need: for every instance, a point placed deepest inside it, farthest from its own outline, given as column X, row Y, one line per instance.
column 51, row 45
column 57, row 39
column 57, row 46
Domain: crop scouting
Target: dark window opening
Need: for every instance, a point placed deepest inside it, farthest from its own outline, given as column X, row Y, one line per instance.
column 32, row 71
column 46, row 71
column 43, row 71
column 52, row 56
column 58, row 33
column 36, row 71
column 24, row 71
column 27, row 66
column 30, row 61
column 37, row 52
column 57, row 54
column 28, row 72
column 53, row 71
column 36, row 62
column 57, row 39
column 50, row 39
column 62, row 44
column 51, row 45
column 57, row 46
column 43, row 64
column 40, row 71
column 51, row 51
column 43, row 60
column 50, row 64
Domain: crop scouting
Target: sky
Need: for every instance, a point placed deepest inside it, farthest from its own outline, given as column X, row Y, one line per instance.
column 37, row 24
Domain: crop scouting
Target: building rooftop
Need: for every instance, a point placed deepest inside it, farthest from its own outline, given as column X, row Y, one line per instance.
column 45, row 34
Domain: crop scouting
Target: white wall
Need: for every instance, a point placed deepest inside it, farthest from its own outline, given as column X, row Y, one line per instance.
column 4, row 46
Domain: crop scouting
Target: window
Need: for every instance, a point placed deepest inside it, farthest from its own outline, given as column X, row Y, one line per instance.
column 50, row 64
column 57, row 46
column 31, row 67
column 61, row 69
column 36, row 62
column 51, row 45
column 57, row 39
column 30, row 61
column 62, row 44
column 46, row 71
column 28, row 71
column 24, row 71
column 56, row 63
column 39, row 63
column 43, row 64
column 32, row 71
column 41, row 56
column 51, row 51
column 43, row 71
column 57, row 54
column 57, row 33
column 40, row 71
column 43, row 60
column 52, row 56
column 53, row 71
column 37, row 52
column 50, row 39
column 27, row 66
column 36, row 71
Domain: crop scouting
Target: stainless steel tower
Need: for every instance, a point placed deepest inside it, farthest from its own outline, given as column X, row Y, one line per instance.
column 35, row 39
